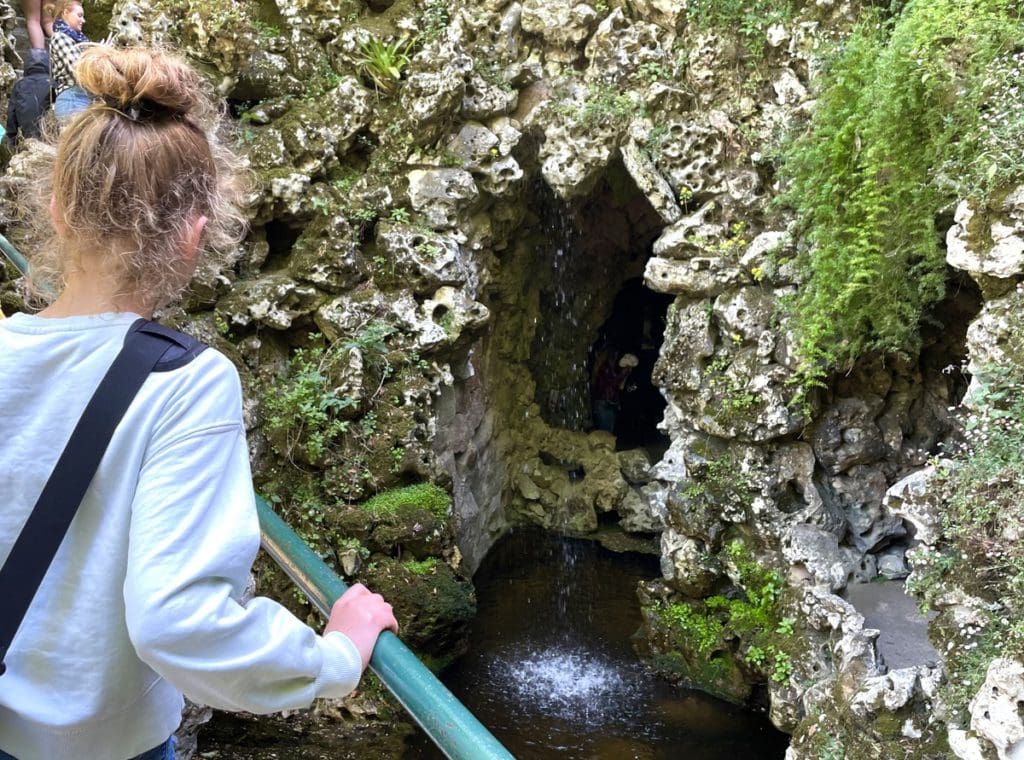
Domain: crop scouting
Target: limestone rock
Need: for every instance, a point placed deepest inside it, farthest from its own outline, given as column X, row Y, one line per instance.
column 575, row 152
column 817, row 552
column 457, row 314
column 327, row 255
column 620, row 47
column 907, row 499
column 564, row 25
column 274, row 300
column 654, row 187
column 995, row 710
column 690, row 157
column 636, row 466
column 422, row 261
column 696, row 277
column 847, row 434
column 994, row 339
column 441, row 195
column 988, row 241
column 642, row 510
column 685, row 565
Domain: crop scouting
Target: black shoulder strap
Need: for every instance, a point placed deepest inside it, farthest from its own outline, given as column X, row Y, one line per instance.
column 148, row 347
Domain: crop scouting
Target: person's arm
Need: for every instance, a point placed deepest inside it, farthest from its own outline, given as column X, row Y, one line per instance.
column 194, row 534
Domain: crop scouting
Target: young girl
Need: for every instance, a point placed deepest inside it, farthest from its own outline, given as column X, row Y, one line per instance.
column 66, row 47
column 141, row 602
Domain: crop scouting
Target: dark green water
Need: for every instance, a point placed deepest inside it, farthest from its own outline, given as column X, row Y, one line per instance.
column 552, row 673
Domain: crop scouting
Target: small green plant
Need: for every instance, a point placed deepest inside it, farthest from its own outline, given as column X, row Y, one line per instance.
column 753, row 617
column 426, row 496
column 383, row 62
column 420, row 567
column 400, row 215
column 748, row 19
column 434, row 19
column 304, row 409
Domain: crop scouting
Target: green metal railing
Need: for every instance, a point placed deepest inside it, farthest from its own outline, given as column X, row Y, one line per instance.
column 453, row 728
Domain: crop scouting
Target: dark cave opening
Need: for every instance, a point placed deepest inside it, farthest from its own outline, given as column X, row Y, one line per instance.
column 634, row 328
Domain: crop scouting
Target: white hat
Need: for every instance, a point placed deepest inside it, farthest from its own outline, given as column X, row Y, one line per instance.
column 628, row 360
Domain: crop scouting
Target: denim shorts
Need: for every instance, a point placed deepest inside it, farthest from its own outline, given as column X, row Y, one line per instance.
column 164, row 752
column 67, row 104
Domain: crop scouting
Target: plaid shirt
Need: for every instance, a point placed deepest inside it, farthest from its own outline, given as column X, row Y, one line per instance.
column 64, row 52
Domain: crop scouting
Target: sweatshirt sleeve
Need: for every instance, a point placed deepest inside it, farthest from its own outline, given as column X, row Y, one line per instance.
column 194, row 534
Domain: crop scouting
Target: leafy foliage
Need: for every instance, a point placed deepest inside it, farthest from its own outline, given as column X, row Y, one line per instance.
column 305, row 408
column 383, row 62
column 896, row 136
column 753, row 616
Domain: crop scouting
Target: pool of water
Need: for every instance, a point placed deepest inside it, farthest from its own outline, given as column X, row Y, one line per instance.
column 552, row 673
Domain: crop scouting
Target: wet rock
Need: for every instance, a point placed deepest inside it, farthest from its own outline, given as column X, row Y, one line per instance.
column 847, row 435
column 635, row 465
column 687, row 566
column 642, row 510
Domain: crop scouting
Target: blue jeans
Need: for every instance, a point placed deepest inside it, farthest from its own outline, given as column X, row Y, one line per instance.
column 68, row 103
column 164, row 752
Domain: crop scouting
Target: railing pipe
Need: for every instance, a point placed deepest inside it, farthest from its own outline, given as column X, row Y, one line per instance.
column 447, row 722
column 453, row 728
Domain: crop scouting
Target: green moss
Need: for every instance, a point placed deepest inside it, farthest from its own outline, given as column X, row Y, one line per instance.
column 420, row 567
column 426, row 496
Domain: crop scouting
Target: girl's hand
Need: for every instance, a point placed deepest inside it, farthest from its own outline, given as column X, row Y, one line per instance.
column 361, row 615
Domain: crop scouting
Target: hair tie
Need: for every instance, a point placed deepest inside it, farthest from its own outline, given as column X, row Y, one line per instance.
column 140, row 110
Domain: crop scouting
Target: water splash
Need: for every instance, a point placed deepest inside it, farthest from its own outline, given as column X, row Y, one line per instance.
column 571, row 684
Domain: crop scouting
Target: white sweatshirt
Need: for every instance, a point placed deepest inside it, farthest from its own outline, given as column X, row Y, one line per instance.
column 141, row 602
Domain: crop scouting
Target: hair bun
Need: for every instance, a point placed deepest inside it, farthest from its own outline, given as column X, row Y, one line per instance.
column 126, row 77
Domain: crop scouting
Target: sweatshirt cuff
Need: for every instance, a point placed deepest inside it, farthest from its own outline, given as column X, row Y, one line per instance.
column 342, row 666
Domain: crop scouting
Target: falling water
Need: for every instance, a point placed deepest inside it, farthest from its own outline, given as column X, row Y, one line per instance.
column 562, row 338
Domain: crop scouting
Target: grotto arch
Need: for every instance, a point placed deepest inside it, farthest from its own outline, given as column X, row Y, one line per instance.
column 587, row 269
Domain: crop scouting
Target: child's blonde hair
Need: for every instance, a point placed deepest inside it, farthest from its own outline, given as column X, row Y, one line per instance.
column 134, row 170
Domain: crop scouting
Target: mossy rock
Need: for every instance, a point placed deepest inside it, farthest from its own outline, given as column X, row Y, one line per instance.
column 434, row 606
column 403, row 521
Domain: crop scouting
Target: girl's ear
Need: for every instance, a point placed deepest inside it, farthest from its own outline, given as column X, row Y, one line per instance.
column 190, row 246
column 56, row 219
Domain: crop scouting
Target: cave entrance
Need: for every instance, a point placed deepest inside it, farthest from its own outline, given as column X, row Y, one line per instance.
column 587, row 268
column 621, row 364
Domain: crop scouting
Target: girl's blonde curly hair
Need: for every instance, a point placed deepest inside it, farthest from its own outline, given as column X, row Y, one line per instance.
column 132, row 173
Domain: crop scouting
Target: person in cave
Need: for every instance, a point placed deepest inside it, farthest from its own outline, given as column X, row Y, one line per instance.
column 611, row 372
column 143, row 599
